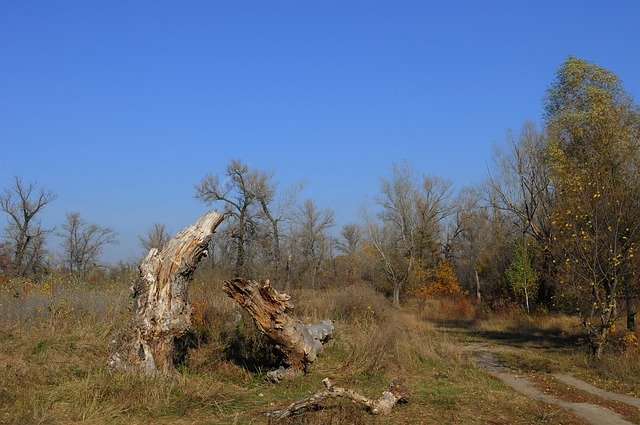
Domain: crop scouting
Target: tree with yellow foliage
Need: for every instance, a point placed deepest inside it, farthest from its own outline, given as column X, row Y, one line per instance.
column 594, row 130
column 438, row 281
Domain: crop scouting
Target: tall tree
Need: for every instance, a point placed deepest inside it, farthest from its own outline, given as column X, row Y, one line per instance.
column 408, row 233
column 23, row 202
column 276, row 210
column 521, row 188
column 238, row 193
column 83, row 242
column 257, row 212
column 394, row 238
column 594, row 131
column 313, row 240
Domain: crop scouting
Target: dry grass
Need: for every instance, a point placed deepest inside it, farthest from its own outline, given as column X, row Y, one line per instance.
column 520, row 322
column 54, row 341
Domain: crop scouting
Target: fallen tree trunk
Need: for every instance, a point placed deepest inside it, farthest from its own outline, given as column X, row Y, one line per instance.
column 397, row 393
column 161, row 313
column 272, row 313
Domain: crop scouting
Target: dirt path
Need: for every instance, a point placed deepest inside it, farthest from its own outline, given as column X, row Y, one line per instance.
column 591, row 413
column 586, row 387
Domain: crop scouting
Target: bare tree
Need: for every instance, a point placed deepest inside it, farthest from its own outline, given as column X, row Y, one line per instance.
column 275, row 210
column 394, row 238
column 83, row 242
column 314, row 243
column 351, row 237
column 156, row 237
column 349, row 245
column 238, row 193
column 481, row 243
column 256, row 211
column 433, row 206
column 521, row 188
column 409, row 234
column 22, row 203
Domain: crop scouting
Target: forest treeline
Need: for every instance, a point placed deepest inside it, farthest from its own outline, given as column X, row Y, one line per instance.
column 555, row 226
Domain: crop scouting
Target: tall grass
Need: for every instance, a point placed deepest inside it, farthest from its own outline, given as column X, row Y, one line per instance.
column 54, row 340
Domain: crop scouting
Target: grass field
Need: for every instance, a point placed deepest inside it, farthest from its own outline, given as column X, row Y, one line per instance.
column 54, row 340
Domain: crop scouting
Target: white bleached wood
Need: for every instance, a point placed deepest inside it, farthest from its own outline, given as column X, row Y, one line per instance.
column 161, row 312
column 273, row 314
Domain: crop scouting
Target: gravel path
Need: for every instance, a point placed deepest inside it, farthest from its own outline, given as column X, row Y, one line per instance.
column 591, row 413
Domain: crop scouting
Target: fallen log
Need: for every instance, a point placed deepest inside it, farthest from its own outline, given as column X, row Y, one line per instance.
column 272, row 313
column 161, row 313
column 397, row 393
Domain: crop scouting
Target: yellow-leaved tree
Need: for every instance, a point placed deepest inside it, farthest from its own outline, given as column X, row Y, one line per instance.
column 593, row 128
column 438, row 281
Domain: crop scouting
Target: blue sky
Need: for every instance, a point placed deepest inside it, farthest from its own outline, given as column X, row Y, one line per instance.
column 122, row 107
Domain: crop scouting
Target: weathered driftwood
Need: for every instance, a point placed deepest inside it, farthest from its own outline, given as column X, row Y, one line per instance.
column 161, row 313
column 397, row 393
column 272, row 313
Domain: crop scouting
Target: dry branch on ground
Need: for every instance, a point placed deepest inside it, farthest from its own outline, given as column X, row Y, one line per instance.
column 397, row 393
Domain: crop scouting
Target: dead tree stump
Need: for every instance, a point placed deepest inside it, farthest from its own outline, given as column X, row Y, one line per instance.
column 273, row 315
column 161, row 312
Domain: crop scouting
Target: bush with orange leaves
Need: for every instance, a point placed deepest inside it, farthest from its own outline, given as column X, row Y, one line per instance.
column 438, row 281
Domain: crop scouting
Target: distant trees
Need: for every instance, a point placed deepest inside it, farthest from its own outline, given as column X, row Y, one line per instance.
column 258, row 215
column 314, row 244
column 23, row 251
column 556, row 221
column 594, row 136
column 408, row 232
column 156, row 237
column 23, row 203
column 238, row 193
column 521, row 188
column 83, row 242
column 349, row 247
column 480, row 245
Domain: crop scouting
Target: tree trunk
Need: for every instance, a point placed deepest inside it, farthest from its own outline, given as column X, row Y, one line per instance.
column 272, row 313
column 276, row 240
column 396, row 295
column 631, row 311
column 631, row 319
column 240, row 236
column 161, row 313
column 287, row 274
column 478, row 297
column 548, row 277
column 526, row 297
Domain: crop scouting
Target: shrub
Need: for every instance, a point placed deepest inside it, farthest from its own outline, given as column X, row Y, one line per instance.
column 437, row 282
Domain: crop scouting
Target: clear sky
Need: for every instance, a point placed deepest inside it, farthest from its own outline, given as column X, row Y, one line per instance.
column 121, row 107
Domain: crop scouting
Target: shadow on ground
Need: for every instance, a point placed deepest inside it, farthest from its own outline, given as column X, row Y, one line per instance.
column 527, row 338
